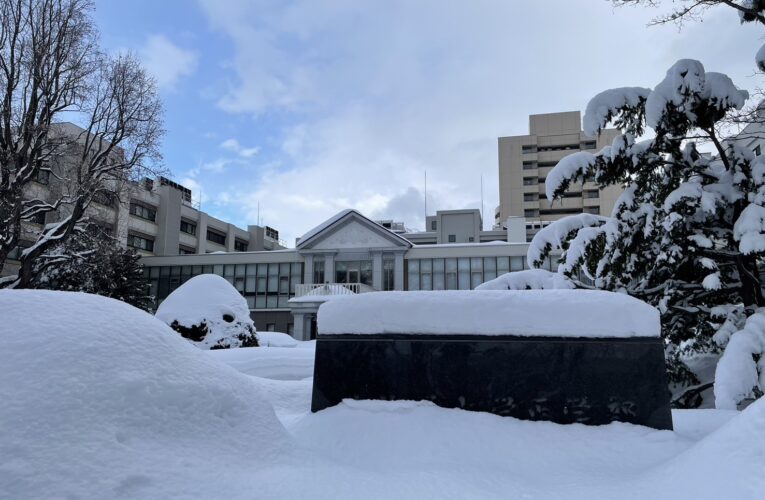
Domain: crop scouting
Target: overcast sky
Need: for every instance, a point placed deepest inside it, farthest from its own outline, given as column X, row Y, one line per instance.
column 308, row 107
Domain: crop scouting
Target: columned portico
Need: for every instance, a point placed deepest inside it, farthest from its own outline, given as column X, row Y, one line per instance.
column 349, row 251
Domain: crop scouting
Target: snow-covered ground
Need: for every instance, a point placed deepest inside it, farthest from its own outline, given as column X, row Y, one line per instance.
column 100, row 400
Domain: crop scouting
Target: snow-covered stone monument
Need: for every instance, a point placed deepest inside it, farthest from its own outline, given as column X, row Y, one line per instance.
column 565, row 356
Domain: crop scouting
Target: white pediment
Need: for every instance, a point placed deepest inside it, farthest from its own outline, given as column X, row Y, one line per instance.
column 354, row 234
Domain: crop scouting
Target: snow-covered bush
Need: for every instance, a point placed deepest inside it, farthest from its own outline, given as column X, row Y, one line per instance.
column 208, row 311
column 687, row 233
column 102, row 400
column 530, row 279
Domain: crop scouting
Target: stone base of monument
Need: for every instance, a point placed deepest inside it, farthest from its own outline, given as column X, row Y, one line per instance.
column 590, row 378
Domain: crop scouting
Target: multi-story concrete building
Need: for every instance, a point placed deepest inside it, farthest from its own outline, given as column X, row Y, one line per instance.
column 155, row 217
column 158, row 218
column 347, row 253
column 525, row 161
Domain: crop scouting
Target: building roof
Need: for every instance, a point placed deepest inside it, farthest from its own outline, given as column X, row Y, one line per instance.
column 338, row 219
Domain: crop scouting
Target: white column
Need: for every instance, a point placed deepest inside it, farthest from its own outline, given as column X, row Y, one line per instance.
column 398, row 272
column 377, row 262
column 329, row 268
column 308, row 269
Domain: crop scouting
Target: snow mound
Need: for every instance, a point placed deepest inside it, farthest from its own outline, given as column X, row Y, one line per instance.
column 530, row 279
column 276, row 339
column 549, row 313
column 106, row 401
column 726, row 464
column 208, row 311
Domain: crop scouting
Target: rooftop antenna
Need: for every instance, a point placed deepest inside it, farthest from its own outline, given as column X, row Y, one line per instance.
column 426, row 196
column 258, row 212
column 481, row 202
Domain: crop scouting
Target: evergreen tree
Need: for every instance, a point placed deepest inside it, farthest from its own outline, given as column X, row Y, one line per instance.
column 93, row 262
column 687, row 233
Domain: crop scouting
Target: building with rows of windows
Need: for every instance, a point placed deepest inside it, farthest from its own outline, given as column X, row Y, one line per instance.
column 525, row 161
column 350, row 253
column 153, row 216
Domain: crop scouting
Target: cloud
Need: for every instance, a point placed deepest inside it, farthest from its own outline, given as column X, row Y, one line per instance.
column 361, row 98
column 234, row 146
column 230, row 144
column 167, row 62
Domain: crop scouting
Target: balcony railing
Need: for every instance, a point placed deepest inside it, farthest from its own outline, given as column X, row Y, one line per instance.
column 331, row 289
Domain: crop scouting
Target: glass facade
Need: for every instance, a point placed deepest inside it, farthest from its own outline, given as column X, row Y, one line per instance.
column 460, row 273
column 354, row 272
column 265, row 286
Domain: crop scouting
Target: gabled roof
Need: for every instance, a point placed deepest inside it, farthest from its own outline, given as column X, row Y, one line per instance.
column 338, row 219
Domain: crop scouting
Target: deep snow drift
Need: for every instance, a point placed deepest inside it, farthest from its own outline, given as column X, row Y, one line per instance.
column 100, row 399
column 210, row 312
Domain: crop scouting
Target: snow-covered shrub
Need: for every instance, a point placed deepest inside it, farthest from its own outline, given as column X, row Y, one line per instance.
column 276, row 339
column 208, row 311
column 100, row 399
column 530, row 279
column 687, row 233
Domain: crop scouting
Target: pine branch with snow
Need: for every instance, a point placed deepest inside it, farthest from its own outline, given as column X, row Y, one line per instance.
column 688, row 233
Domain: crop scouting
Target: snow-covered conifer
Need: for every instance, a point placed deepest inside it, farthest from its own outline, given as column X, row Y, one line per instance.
column 688, row 232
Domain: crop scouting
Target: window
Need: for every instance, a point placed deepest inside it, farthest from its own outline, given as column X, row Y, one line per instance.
column 318, row 271
column 188, row 227
column 471, row 239
column 530, row 196
column 388, row 273
column 106, row 198
column 240, row 245
column 562, row 147
column 143, row 211
column 42, row 176
column 270, row 327
column 183, row 250
column 38, row 218
column 529, row 148
column 140, row 242
column 588, row 145
column 216, row 237
column 452, row 238
column 758, row 150
column 433, row 225
column 592, row 210
column 105, row 228
column 272, row 233
column 529, row 181
column 560, row 211
column 529, row 165
column 531, row 212
column 591, row 193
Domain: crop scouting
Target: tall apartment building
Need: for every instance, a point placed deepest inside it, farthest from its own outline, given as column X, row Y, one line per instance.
column 525, row 161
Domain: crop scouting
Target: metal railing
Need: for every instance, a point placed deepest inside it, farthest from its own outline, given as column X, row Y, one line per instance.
column 331, row 289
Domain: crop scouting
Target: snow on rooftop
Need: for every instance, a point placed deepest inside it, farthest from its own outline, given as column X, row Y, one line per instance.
column 546, row 313
column 321, row 227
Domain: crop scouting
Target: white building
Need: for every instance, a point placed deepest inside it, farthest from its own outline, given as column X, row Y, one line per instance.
column 349, row 253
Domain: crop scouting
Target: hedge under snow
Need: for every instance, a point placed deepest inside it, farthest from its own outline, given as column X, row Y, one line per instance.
column 210, row 312
column 548, row 313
